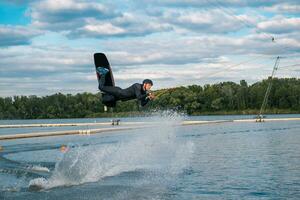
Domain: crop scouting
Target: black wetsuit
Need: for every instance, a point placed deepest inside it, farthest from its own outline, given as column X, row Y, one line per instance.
column 135, row 91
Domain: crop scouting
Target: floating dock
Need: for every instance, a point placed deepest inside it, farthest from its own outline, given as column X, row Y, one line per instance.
column 122, row 127
column 69, row 132
column 66, row 124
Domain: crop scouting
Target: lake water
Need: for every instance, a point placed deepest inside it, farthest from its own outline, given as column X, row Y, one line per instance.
column 213, row 161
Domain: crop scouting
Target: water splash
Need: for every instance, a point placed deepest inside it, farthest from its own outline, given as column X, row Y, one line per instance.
column 155, row 149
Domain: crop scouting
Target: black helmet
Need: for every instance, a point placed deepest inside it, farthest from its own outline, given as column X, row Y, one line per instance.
column 148, row 81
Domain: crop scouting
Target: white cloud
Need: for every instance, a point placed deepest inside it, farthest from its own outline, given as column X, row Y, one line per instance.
column 16, row 35
column 122, row 26
column 280, row 25
column 64, row 15
column 80, row 18
column 215, row 3
column 204, row 21
column 288, row 8
column 193, row 43
column 103, row 29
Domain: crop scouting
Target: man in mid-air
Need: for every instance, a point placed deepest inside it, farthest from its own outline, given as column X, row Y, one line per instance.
column 137, row 91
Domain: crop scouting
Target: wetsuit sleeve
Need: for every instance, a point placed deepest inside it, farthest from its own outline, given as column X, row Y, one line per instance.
column 144, row 101
column 140, row 96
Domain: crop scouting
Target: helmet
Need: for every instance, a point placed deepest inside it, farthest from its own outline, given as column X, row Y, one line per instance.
column 148, row 81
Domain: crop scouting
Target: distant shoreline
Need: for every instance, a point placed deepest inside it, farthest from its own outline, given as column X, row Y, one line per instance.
column 225, row 98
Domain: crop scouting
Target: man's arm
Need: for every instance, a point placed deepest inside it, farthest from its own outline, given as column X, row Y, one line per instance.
column 144, row 101
column 138, row 92
column 141, row 97
column 150, row 96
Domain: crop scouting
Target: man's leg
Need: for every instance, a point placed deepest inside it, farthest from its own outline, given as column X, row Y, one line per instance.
column 109, row 100
column 112, row 90
column 101, row 73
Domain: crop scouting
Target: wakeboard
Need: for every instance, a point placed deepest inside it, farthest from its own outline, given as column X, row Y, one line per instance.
column 101, row 61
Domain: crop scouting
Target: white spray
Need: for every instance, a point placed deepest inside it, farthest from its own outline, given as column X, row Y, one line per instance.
column 154, row 149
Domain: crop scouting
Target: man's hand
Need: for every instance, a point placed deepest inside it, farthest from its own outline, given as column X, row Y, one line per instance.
column 151, row 96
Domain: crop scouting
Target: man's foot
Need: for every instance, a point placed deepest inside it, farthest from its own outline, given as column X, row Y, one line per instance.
column 102, row 70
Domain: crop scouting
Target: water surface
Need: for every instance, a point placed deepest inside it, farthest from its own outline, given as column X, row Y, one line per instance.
column 214, row 161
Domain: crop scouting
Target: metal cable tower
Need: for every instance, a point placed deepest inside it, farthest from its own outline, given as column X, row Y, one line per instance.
column 270, row 79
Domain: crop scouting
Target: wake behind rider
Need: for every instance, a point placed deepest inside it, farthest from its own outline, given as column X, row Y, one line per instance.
column 137, row 91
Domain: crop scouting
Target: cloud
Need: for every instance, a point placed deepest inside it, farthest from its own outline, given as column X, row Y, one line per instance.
column 102, row 29
column 172, row 42
column 185, row 50
column 91, row 19
column 213, row 21
column 43, row 61
column 39, row 85
column 126, row 25
column 45, row 70
column 209, row 3
column 288, row 8
column 63, row 15
column 280, row 25
column 16, row 35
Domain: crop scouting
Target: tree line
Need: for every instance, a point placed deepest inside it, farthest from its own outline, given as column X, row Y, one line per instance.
column 222, row 98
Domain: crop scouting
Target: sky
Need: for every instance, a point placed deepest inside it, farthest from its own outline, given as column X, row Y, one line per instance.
column 47, row 46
